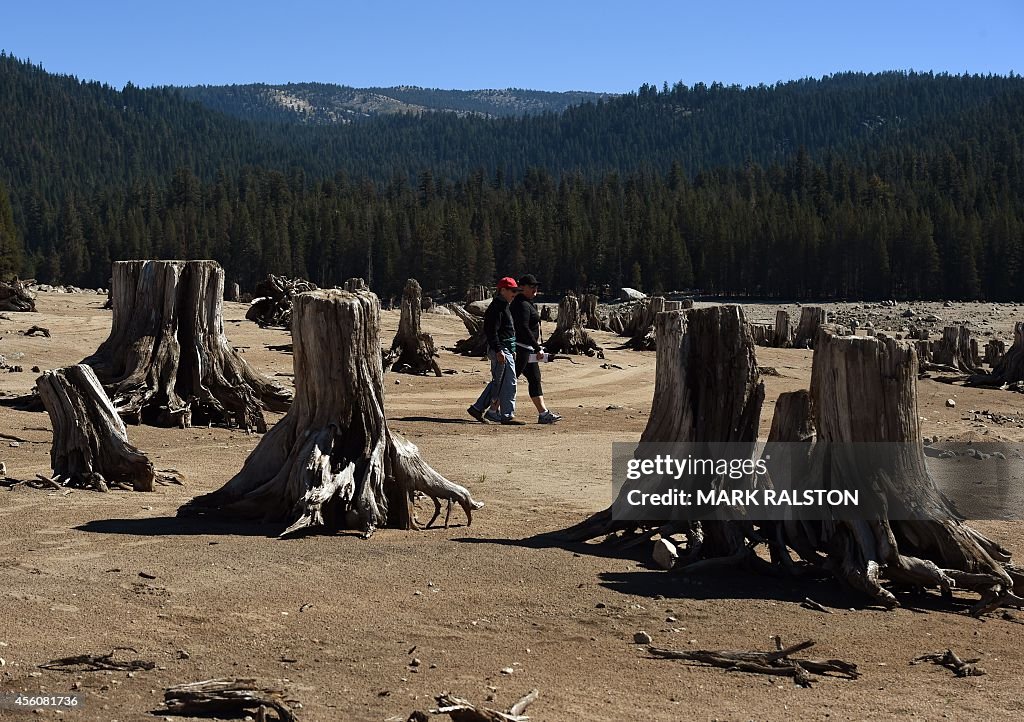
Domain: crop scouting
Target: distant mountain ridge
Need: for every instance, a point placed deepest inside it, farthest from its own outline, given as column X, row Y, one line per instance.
column 330, row 104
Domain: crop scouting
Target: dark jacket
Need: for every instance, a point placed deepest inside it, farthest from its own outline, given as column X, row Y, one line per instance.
column 526, row 319
column 498, row 326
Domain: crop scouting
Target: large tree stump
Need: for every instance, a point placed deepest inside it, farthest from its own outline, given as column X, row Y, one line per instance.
column 16, row 296
column 811, row 319
column 332, row 462
column 233, row 292
column 995, row 349
column 412, row 351
column 273, row 303
column 90, row 443
column 955, row 349
column 167, row 361
column 1010, row 369
column 642, row 324
column 707, row 390
column 356, row 284
column 477, row 293
column 569, row 336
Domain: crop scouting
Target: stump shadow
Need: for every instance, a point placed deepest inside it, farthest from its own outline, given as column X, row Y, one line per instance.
column 180, row 526
column 438, row 420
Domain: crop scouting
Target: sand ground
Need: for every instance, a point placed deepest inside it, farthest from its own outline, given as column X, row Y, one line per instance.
column 337, row 620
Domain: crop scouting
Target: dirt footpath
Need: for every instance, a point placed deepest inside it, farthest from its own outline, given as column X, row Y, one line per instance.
column 338, row 620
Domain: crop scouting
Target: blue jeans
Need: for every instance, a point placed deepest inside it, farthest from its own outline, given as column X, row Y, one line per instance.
column 502, row 385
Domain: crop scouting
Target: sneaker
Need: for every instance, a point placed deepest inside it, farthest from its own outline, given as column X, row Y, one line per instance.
column 512, row 421
column 548, row 417
column 476, row 414
column 492, row 417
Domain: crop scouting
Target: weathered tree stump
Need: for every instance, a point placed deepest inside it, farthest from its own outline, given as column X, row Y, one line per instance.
column 642, row 325
column 477, row 293
column 863, row 391
column 332, row 462
column 1010, row 369
column 90, row 443
column 707, row 389
column 955, row 349
column 783, row 330
column 167, row 361
column 995, row 349
column 476, row 344
column 356, row 284
column 412, row 351
column 548, row 313
column 763, row 334
column 569, row 336
column 16, row 296
column 591, row 318
column 232, row 292
column 811, row 319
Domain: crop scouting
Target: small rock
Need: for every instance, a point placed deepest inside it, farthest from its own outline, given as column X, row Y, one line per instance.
column 612, row 407
column 415, row 662
column 642, row 638
column 507, row 670
column 665, row 553
column 670, row 619
column 950, row 403
column 600, row 605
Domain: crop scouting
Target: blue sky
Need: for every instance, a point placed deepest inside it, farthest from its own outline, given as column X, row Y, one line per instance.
column 567, row 45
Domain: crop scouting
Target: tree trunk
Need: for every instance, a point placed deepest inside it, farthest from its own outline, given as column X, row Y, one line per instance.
column 995, row 349
column 783, row 331
column 273, row 303
column 90, row 444
column 642, row 325
column 356, row 284
column 955, row 349
column 15, row 296
column 412, row 351
column 332, row 462
column 811, row 319
column 476, row 344
column 477, row 293
column 167, row 361
column 707, row 389
column 763, row 334
column 232, row 292
column 1010, row 369
column 591, row 319
column 569, row 336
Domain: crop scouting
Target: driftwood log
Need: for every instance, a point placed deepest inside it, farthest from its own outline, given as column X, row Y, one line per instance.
column 228, row 698
column 273, row 303
column 811, row 319
column 863, row 391
column 90, row 443
column 167, row 361
column 412, row 351
column 569, row 336
column 332, row 462
column 16, row 296
column 476, row 344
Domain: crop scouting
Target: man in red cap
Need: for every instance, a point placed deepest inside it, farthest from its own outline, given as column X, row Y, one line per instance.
column 501, row 349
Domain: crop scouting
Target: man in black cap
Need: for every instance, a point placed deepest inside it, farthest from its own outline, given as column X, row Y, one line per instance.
column 526, row 319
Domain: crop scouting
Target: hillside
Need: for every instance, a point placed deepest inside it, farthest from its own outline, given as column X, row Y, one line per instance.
column 330, row 104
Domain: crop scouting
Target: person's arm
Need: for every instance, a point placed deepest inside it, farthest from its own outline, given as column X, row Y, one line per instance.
column 492, row 317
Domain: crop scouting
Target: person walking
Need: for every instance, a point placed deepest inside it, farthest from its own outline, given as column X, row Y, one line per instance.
column 501, row 345
column 526, row 321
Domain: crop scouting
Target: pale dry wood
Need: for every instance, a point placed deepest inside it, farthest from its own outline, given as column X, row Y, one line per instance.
column 783, row 336
column 1009, row 371
column 412, row 351
column 16, row 296
column 476, row 344
column 273, row 303
column 167, row 361
column 569, row 336
column 811, row 319
column 950, row 660
column 229, row 698
column 641, row 327
column 462, row 710
column 332, row 462
column 90, row 443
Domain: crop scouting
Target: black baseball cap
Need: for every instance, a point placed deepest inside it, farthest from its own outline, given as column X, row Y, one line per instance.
column 529, row 280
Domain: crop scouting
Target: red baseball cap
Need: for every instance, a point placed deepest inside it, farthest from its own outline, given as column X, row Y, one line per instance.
column 508, row 282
